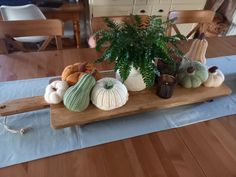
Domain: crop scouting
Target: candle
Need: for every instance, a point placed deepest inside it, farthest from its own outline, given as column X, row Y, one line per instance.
column 166, row 85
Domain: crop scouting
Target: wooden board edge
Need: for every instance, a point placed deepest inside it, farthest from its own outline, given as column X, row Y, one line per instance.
column 227, row 91
column 22, row 105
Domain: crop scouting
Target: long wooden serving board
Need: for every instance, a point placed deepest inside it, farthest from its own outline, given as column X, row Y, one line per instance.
column 138, row 102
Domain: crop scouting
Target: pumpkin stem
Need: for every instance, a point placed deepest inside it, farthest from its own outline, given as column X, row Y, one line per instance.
column 213, row 69
column 82, row 66
column 54, row 89
column 201, row 36
column 190, row 69
column 108, row 85
column 93, row 73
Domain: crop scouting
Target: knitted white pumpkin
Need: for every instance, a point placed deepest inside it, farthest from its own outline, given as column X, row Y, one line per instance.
column 55, row 91
column 109, row 93
column 215, row 78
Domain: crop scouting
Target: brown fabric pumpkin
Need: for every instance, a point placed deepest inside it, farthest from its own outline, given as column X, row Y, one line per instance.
column 72, row 73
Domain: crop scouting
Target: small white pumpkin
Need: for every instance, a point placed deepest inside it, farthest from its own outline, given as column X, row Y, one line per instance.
column 134, row 82
column 215, row 78
column 109, row 93
column 55, row 91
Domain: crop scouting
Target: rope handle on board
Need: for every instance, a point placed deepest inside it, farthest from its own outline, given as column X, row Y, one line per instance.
column 11, row 130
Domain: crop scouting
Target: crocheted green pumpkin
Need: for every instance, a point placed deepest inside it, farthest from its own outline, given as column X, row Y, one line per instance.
column 77, row 97
column 192, row 74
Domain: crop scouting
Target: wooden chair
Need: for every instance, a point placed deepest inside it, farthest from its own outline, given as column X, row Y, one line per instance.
column 24, row 12
column 201, row 17
column 98, row 23
column 12, row 29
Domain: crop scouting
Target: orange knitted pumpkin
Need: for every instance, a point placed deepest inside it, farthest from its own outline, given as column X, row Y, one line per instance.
column 72, row 73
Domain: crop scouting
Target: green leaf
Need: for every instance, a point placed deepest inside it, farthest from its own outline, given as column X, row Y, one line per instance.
column 138, row 44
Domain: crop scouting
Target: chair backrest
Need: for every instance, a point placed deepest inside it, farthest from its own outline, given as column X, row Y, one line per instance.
column 25, row 12
column 52, row 28
column 98, row 23
column 201, row 17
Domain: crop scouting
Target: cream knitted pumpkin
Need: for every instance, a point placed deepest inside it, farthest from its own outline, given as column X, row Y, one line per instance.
column 109, row 93
column 215, row 78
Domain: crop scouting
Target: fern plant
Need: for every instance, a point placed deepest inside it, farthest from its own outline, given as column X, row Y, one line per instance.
column 138, row 45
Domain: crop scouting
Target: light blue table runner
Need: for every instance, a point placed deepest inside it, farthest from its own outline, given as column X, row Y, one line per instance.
column 42, row 141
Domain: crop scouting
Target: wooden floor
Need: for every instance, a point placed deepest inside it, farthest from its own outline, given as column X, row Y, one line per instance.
column 206, row 149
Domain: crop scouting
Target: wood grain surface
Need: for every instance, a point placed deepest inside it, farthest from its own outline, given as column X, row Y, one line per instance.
column 161, row 154
column 138, row 102
column 22, row 65
column 22, row 105
column 29, row 65
column 213, row 145
column 206, row 149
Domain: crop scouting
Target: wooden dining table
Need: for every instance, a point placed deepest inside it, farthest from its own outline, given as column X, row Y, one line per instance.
column 206, row 149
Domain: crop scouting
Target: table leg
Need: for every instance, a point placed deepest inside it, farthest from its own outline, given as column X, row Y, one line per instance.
column 76, row 27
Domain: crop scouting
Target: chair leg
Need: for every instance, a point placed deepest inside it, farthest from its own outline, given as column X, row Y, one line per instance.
column 176, row 29
column 58, row 42
column 77, row 32
column 192, row 31
column 45, row 43
column 168, row 31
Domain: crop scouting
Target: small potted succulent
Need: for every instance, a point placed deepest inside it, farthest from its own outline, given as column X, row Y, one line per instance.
column 135, row 47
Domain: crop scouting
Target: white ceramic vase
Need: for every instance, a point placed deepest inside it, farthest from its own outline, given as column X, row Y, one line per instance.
column 134, row 82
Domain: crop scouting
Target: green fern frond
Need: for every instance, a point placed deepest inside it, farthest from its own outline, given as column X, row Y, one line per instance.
column 134, row 45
